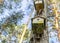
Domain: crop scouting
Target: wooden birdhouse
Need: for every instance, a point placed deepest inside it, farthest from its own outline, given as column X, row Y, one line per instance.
column 39, row 4
column 38, row 25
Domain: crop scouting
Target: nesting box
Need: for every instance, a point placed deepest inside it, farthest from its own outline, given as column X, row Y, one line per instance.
column 38, row 25
column 39, row 4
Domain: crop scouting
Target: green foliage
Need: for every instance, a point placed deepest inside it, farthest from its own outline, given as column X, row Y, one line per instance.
column 17, row 0
column 10, row 26
column 3, row 41
column 26, row 34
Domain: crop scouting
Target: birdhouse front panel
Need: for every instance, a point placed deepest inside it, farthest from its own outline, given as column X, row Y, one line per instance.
column 38, row 25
